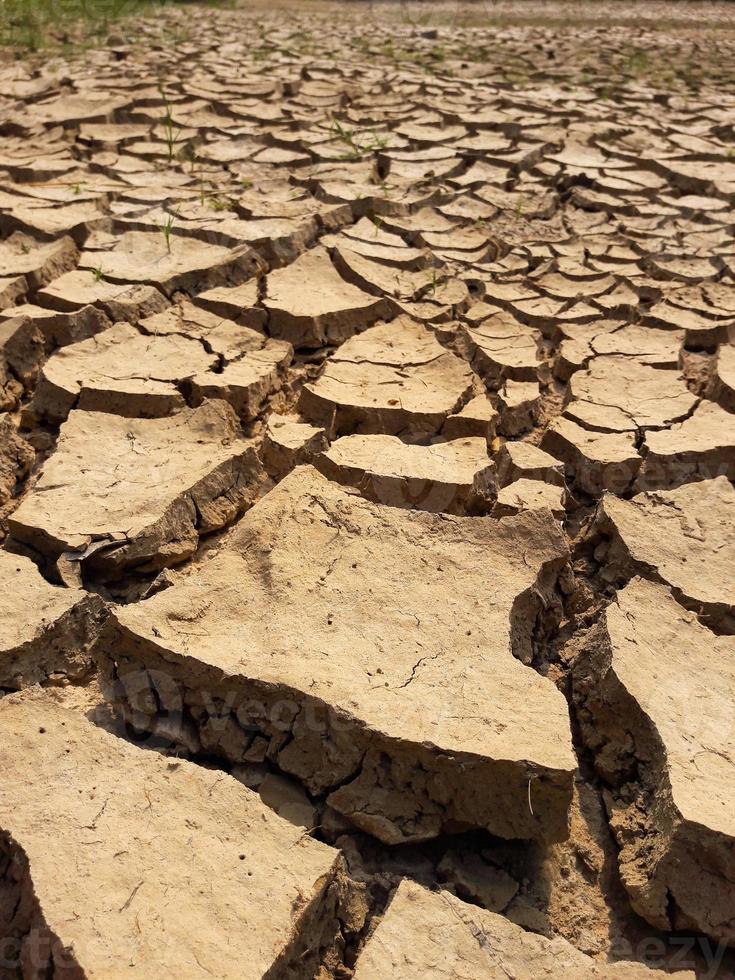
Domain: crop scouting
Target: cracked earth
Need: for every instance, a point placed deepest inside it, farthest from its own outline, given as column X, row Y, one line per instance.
column 367, row 526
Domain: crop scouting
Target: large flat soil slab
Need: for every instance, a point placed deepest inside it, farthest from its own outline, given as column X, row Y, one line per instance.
column 434, row 934
column 683, row 537
column 124, row 863
column 46, row 632
column 123, row 493
column 376, row 654
column 655, row 694
column 394, row 378
column 454, row 476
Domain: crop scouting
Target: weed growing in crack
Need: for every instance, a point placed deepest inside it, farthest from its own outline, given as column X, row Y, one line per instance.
column 221, row 203
column 637, row 62
column 346, row 136
column 165, row 230
column 170, row 133
column 357, row 150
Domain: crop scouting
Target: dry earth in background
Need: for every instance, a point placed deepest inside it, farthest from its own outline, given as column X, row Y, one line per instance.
column 367, row 379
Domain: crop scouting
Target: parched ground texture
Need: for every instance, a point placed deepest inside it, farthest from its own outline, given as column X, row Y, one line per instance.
column 367, row 526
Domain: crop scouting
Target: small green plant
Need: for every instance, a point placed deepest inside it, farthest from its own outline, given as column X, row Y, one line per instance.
column 98, row 274
column 170, row 133
column 165, row 230
column 637, row 61
column 346, row 136
column 375, row 143
column 356, row 150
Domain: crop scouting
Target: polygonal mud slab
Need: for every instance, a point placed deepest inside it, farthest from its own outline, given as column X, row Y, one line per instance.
column 370, row 239
column 374, row 653
column 524, row 461
column 451, row 476
column 48, row 221
column 524, row 495
column 119, row 494
column 247, row 383
column 683, row 537
column 218, row 333
column 248, row 366
column 288, row 442
column 394, row 378
column 501, row 347
column 593, row 461
column 519, row 403
column 117, row 860
column 239, row 303
column 82, row 287
column 121, row 371
column 700, row 447
column 46, row 632
column 37, row 262
column 309, row 304
column 394, row 285
column 476, row 418
column 655, row 695
column 56, row 328
column 182, row 263
column 583, row 341
column 700, row 331
column 434, row 934
column 657, row 348
column 277, row 241
column 619, row 394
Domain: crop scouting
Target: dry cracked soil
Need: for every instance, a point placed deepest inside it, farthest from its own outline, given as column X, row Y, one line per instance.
column 367, row 524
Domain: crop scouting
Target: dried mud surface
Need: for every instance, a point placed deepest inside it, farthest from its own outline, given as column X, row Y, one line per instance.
column 367, row 521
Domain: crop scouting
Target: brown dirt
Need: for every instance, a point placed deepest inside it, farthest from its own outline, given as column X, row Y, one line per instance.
column 366, row 511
